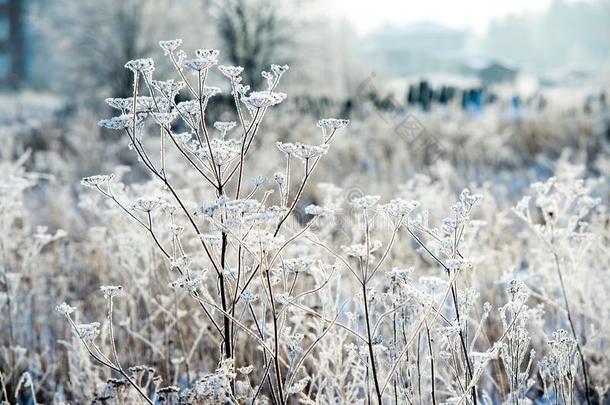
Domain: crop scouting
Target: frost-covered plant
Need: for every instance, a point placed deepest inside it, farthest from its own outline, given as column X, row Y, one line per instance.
column 270, row 291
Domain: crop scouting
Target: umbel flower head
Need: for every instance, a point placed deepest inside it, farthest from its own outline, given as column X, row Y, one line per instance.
column 332, row 123
column 208, row 54
column 145, row 204
column 64, row 309
column 111, row 291
column 231, row 72
column 263, row 99
column 97, row 181
column 170, row 46
column 120, row 122
column 88, row 331
column 144, row 66
column 224, row 126
column 198, row 64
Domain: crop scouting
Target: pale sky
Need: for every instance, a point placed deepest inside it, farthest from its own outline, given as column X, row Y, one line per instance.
column 368, row 15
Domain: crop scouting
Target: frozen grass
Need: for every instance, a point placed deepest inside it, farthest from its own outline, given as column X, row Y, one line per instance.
column 226, row 277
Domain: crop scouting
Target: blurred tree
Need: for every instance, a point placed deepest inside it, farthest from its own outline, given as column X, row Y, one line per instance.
column 83, row 45
column 255, row 34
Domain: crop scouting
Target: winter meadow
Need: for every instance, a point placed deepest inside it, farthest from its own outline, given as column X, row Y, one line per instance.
column 288, row 207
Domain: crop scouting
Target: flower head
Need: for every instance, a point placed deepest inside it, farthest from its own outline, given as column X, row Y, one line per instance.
column 97, row 181
column 170, row 46
column 145, row 66
column 262, row 99
column 120, row 122
column 208, row 54
column 231, row 71
column 198, row 64
column 145, row 204
column 224, row 126
column 64, row 309
column 88, row 331
column 111, row 291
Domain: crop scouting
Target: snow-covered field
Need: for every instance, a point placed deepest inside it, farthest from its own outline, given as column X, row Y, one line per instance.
column 417, row 258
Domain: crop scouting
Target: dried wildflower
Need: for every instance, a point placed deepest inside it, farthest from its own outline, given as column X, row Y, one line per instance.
column 197, row 65
column 176, row 229
column 150, row 104
column 190, row 284
column 231, row 71
column 111, row 291
column 208, row 54
column 144, row 66
column 183, row 137
column 263, row 99
column 99, row 180
column 279, row 70
column 359, row 250
column 223, row 151
column 248, row 297
column 145, row 204
column 88, row 331
column 181, row 263
column 123, row 104
column 286, row 147
column 165, row 119
column 121, row 122
column 398, row 209
column 224, row 126
column 170, row 46
column 306, row 152
column 168, row 88
column 258, row 181
column 65, row 309
column 365, row 202
column 316, row 210
column 332, row 124
column 210, row 91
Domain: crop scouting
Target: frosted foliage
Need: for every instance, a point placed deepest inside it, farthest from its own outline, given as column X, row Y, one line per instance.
column 213, row 270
